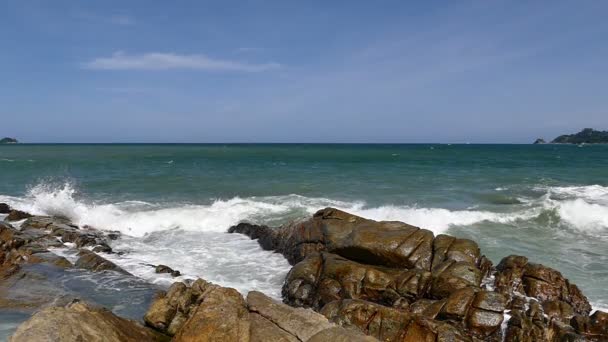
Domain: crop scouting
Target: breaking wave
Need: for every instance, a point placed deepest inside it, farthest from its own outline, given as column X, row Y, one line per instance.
column 582, row 208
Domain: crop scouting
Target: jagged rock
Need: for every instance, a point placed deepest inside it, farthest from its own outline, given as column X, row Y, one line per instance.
column 302, row 323
column 222, row 316
column 389, row 324
column 264, row 234
column 262, row 330
column 5, row 208
column 95, row 263
column 82, row 322
column 393, row 244
column 17, row 215
column 325, row 277
column 167, row 269
column 205, row 312
column 515, row 276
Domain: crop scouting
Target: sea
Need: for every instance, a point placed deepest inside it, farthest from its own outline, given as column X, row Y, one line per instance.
column 174, row 202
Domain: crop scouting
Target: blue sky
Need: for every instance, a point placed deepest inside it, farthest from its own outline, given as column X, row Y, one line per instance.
column 302, row 71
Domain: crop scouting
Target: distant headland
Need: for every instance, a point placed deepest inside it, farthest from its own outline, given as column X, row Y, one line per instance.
column 586, row 136
column 8, row 141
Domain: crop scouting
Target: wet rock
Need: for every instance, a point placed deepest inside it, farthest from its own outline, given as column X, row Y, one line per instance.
column 594, row 327
column 325, row 277
column 387, row 243
column 265, row 235
column 515, row 275
column 388, row 324
column 17, row 215
column 82, row 322
column 102, row 248
column 450, row 276
column 167, row 269
column 5, row 208
column 95, row 263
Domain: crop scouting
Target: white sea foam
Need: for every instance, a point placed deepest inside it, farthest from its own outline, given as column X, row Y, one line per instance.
column 138, row 218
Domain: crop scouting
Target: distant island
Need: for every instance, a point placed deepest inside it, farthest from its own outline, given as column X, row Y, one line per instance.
column 8, row 141
column 586, row 136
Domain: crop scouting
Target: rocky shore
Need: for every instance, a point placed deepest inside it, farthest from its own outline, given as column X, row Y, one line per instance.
column 352, row 279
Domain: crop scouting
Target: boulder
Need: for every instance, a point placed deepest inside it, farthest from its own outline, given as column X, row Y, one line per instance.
column 17, row 215
column 91, row 261
column 324, row 277
column 5, row 208
column 264, row 234
column 389, row 324
column 167, row 269
column 387, row 243
column 222, row 316
column 301, row 323
column 516, row 276
column 82, row 322
column 208, row 312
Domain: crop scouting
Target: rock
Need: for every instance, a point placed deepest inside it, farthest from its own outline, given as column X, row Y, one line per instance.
column 222, row 316
column 5, row 208
column 17, row 215
column 325, row 277
column 339, row 334
column 302, row 323
column 167, row 269
column 516, row 275
column 262, row 330
column 594, row 327
column 388, row 324
column 264, row 234
column 82, row 322
column 95, row 263
column 208, row 312
column 539, row 141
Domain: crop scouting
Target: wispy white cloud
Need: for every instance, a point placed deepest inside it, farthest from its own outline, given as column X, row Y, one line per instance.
column 166, row 61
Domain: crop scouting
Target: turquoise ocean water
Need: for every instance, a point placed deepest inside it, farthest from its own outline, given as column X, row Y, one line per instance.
column 174, row 202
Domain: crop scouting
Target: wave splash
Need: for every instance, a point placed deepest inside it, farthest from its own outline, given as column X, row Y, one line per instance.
column 582, row 208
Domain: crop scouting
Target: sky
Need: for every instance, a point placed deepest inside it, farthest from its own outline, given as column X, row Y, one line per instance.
column 302, row 71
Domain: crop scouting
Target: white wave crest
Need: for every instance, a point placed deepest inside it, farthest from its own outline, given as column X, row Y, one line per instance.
column 138, row 218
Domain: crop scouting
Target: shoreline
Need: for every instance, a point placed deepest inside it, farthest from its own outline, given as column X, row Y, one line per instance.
column 438, row 271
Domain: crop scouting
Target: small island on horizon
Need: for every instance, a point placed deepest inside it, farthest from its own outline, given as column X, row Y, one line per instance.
column 586, row 136
column 9, row 141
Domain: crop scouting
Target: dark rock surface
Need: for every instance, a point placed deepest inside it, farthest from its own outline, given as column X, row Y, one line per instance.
column 17, row 215
column 539, row 141
column 167, row 269
column 5, row 208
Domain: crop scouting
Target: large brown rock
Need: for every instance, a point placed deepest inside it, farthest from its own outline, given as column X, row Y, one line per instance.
column 389, row 324
column 324, row 277
column 516, row 276
column 387, row 243
column 222, row 316
column 82, row 322
column 208, row 312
